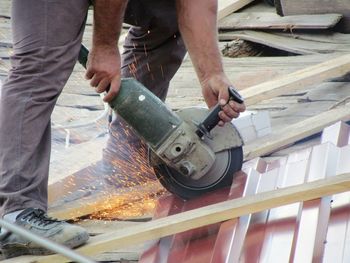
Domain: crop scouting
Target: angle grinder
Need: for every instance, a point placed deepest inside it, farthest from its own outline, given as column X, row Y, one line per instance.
column 189, row 153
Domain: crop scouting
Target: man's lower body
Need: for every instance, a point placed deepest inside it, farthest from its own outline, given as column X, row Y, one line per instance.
column 46, row 41
column 46, row 37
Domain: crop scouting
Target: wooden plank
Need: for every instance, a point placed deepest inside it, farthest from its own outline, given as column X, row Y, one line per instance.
column 208, row 215
column 295, row 132
column 289, row 44
column 296, row 7
column 245, row 72
column 226, row 7
column 287, row 110
column 324, row 36
column 273, row 21
column 298, row 80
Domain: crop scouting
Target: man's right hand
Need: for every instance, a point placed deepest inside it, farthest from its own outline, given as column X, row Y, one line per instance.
column 103, row 69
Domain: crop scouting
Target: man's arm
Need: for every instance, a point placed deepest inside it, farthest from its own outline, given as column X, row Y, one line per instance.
column 104, row 59
column 198, row 27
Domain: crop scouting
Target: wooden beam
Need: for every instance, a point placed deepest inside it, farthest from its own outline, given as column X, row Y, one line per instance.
column 297, row 80
column 287, row 43
column 226, row 7
column 298, row 7
column 209, row 215
column 295, row 132
column 266, row 20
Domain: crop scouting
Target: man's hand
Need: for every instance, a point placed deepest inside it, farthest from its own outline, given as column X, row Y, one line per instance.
column 103, row 69
column 215, row 90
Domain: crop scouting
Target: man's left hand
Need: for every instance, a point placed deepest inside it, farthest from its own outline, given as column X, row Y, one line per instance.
column 215, row 89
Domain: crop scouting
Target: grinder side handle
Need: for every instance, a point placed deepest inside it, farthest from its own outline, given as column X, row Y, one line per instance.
column 213, row 118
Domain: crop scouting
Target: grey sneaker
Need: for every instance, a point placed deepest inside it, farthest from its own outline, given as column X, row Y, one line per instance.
column 36, row 220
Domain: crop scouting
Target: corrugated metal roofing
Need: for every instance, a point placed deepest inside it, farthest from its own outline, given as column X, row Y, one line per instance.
column 312, row 231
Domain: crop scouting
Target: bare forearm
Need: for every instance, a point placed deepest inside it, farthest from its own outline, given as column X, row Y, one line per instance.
column 108, row 19
column 198, row 27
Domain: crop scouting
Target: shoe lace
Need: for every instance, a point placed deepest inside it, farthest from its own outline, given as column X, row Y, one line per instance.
column 40, row 218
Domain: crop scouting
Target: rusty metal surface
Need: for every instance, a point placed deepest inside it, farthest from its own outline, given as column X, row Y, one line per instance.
column 312, row 231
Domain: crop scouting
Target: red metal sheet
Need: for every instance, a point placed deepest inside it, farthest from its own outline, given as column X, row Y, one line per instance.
column 232, row 233
column 256, row 232
column 157, row 252
column 337, row 244
column 281, row 224
column 338, row 234
column 344, row 160
column 314, row 231
column 338, row 134
column 182, row 250
column 314, row 216
column 257, row 164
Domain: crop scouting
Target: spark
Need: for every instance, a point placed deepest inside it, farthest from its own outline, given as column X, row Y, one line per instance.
column 144, row 47
column 161, row 69
column 135, row 59
column 132, row 69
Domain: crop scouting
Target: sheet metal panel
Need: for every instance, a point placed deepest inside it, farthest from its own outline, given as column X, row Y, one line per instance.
column 313, row 231
column 281, row 223
column 314, row 216
column 158, row 251
column 257, row 229
column 337, row 245
column 187, row 242
column 232, row 233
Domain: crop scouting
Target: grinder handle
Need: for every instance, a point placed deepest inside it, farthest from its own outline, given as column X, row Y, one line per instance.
column 83, row 55
column 213, row 117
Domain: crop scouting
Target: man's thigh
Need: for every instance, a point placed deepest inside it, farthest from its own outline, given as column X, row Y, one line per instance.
column 51, row 23
column 153, row 48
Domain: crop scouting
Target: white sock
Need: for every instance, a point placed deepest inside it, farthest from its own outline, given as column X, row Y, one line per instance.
column 10, row 217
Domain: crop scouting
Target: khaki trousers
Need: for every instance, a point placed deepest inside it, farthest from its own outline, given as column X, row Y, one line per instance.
column 46, row 37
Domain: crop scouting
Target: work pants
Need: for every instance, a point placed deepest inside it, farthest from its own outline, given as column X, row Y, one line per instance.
column 46, row 38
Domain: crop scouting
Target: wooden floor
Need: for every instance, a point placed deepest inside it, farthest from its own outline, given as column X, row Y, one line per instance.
column 79, row 105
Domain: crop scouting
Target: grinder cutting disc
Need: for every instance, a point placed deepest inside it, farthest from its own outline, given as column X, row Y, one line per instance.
column 220, row 175
column 227, row 145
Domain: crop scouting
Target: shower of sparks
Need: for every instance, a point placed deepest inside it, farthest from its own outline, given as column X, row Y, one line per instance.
column 125, row 185
column 130, row 206
column 123, row 182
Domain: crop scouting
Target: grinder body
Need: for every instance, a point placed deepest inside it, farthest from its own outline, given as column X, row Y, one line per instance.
column 168, row 136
